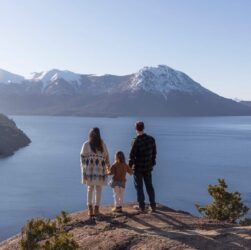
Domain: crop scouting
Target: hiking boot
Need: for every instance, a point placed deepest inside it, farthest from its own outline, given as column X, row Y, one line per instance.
column 117, row 209
column 90, row 210
column 96, row 210
column 140, row 209
column 153, row 208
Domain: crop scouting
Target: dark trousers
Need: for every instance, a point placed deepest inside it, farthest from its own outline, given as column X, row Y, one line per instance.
column 146, row 177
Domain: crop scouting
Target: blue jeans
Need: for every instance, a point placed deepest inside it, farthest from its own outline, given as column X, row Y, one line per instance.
column 146, row 177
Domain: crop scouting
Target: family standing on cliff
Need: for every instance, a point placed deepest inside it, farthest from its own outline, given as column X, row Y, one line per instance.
column 95, row 168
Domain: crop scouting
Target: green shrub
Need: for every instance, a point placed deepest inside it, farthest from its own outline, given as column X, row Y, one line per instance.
column 62, row 241
column 63, row 219
column 47, row 234
column 246, row 222
column 226, row 206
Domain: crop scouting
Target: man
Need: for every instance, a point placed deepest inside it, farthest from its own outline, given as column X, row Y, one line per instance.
column 142, row 159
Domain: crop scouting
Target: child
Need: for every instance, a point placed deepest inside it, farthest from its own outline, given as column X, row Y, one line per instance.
column 118, row 171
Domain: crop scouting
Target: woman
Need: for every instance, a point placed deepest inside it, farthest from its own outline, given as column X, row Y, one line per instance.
column 94, row 161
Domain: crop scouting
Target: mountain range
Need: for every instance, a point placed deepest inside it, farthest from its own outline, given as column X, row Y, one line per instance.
column 152, row 91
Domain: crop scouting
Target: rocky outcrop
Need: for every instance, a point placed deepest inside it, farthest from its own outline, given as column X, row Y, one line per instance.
column 164, row 229
column 11, row 138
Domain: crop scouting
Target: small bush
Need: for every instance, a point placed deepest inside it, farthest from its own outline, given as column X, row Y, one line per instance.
column 47, row 234
column 246, row 222
column 62, row 241
column 63, row 219
column 226, row 206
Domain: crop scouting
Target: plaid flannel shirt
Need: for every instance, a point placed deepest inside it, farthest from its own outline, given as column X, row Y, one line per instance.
column 143, row 153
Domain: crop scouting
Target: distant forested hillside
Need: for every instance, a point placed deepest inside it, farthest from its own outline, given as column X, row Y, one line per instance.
column 11, row 138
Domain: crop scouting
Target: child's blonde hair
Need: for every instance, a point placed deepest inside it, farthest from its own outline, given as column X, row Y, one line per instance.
column 120, row 157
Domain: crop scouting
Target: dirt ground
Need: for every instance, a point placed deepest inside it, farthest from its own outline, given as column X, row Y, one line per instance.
column 163, row 229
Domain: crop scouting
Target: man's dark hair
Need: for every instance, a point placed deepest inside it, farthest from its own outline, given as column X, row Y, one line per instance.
column 140, row 126
column 95, row 140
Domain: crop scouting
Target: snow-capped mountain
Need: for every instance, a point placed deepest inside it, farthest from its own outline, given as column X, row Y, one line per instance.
column 161, row 79
column 48, row 77
column 164, row 79
column 152, row 91
column 6, row 77
column 56, row 81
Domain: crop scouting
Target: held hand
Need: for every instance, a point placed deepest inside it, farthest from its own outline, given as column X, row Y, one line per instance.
column 107, row 170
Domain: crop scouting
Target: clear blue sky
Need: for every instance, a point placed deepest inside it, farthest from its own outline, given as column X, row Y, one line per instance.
column 210, row 40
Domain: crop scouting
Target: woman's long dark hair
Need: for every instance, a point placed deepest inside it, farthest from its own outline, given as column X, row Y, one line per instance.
column 95, row 140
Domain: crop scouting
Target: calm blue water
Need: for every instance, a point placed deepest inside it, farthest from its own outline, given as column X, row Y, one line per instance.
column 44, row 178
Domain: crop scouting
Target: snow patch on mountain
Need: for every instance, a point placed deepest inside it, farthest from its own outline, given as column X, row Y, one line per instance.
column 236, row 99
column 52, row 76
column 164, row 79
column 7, row 77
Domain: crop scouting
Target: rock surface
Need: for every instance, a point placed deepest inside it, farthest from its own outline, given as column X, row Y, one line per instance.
column 11, row 138
column 163, row 229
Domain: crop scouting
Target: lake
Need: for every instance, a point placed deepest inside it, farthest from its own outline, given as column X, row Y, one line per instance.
column 44, row 178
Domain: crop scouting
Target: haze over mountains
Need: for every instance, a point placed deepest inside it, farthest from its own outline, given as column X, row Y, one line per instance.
column 152, row 91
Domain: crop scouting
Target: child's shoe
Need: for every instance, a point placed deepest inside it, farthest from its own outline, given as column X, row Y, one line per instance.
column 90, row 211
column 96, row 210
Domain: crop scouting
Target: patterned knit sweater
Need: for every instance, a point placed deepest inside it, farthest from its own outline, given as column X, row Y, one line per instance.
column 93, row 165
